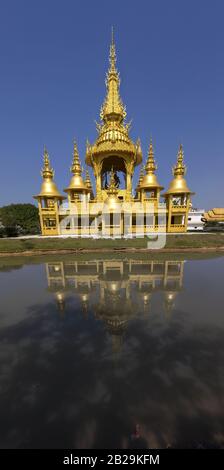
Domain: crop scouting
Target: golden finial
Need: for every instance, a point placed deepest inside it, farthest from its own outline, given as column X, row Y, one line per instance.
column 88, row 180
column 48, row 188
column 47, row 171
column 138, row 146
column 150, row 166
column 76, row 184
column 141, row 175
column 113, row 58
column 76, row 167
column 112, row 35
column 113, row 108
column 98, row 126
column 178, row 184
column 88, row 146
column 180, row 167
column 150, row 179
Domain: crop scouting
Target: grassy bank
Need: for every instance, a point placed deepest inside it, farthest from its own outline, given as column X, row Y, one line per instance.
column 173, row 242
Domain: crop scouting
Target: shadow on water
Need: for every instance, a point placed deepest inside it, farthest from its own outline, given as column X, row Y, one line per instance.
column 112, row 353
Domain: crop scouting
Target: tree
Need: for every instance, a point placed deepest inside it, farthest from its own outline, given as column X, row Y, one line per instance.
column 20, row 218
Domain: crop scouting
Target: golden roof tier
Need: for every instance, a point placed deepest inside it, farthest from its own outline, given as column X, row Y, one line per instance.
column 178, row 184
column 77, row 183
column 150, row 180
column 48, row 188
column 215, row 215
column 113, row 133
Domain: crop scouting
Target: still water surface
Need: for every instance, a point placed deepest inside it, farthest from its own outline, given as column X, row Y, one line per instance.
column 111, row 353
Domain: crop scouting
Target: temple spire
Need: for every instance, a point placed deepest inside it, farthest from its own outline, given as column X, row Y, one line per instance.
column 47, row 172
column 178, row 184
column 76, row 167
column 113, row 108
column 180, row 168
column 88, row 180
column 150, row 179
column 141, row 176
column 48, row 187
column 89, row 184
column 150, row 166
column 113, row 58
column 76, row 184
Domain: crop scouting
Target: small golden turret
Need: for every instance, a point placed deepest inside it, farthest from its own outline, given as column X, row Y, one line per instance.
column 89, row 184
column 150, row 180
column 47, row 171
column 178, row 185
column 48, row 188
column 76, row 184
column 150, row 164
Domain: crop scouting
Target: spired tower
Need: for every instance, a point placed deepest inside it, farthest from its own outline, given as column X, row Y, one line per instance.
column 49, row 200
column 178, row 197
column 149, row 187
column 113, row 147
column 77, row 189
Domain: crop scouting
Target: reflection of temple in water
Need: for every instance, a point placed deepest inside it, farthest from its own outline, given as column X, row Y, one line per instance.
column 115, row 290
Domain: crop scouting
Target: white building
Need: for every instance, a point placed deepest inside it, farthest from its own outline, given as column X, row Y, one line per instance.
column 196, row 220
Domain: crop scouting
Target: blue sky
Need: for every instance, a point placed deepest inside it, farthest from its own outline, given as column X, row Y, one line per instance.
column 53, row 60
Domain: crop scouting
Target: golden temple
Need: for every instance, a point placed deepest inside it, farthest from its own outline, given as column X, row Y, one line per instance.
column 115, row 209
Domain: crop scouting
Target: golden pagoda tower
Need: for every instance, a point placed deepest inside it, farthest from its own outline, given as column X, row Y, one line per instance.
column 149, row 187
column 178, row 197
column 77, row 188
column 113, row 146
column 49, row 200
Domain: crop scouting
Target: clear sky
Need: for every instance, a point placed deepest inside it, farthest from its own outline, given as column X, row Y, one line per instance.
column 53, row 60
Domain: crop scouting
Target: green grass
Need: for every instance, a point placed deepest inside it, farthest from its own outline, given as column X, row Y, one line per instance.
column 211, row 240
column 214, row 240
column 20, row 245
